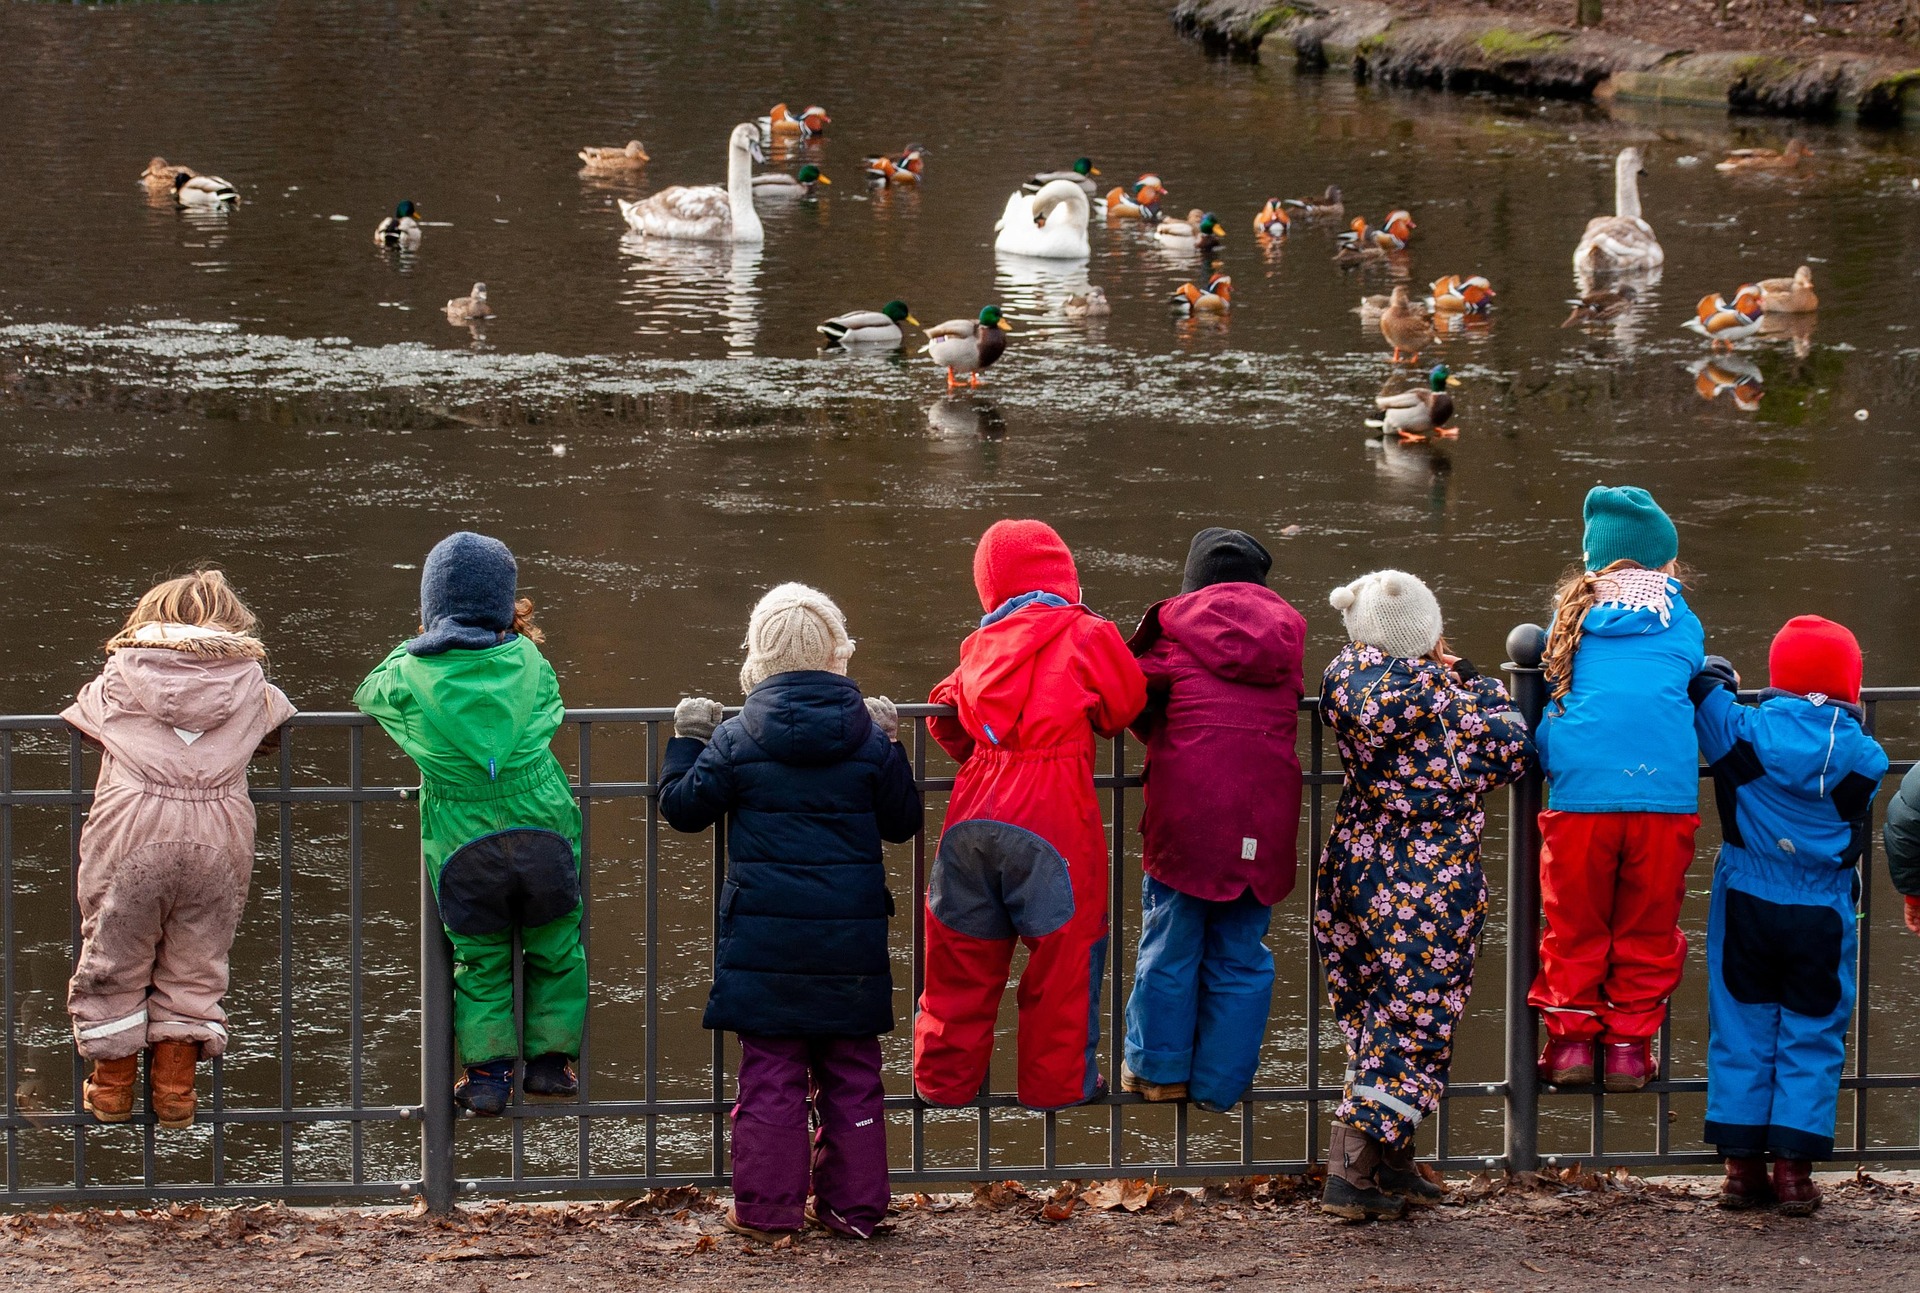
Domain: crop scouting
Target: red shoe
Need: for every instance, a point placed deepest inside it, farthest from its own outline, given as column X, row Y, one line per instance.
column 1793, row 1186
column 1746, row 1185
column 1628, row 1066
column 1566, row 1063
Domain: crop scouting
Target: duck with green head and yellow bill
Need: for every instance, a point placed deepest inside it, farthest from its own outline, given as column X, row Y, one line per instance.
column 968, row 346
column 1201, row 230
column 401, row 229
column 1416, row 414
column 1081, row 172
column 879, row 327
column 778, row 184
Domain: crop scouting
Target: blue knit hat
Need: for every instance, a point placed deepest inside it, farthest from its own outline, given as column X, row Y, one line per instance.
column 1625, row 524
column 466, row 595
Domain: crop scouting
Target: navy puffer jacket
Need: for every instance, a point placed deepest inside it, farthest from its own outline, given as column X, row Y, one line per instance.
column 809, row 787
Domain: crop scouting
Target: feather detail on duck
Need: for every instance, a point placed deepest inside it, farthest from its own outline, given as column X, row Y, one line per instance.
column 1357, row 246
column 868, row 327
column 160, row 175
column 1273, row 220
column 1050, row 225
column 1597, row 306
column 1081, row 172
column 1091, row 304
column 1790, row 295
column 905, row 169
column 803, row 125
column 466, row 309
column 776, row 184
column 1405, row 326
column 1766, row 159
column 1395, row 233
column 967, row 345
column 190, row 190
column 401, row 229
column 613, row 160
column 1201, row 230
column 1622, row 240
column 1456, row 295
column 708, row 212
column 1723, row 322
column 1329, row 206
column 1215, row 298
column 1139, row 202
column 1416, row 414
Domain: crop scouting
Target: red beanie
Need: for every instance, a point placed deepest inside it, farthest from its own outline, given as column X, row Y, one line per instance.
column 1814, row 655
column 1016, row 557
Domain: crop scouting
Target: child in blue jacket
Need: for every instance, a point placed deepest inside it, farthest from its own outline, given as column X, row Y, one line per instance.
column 1794, row 778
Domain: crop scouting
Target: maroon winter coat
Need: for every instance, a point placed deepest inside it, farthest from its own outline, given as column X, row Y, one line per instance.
column 1223, row 668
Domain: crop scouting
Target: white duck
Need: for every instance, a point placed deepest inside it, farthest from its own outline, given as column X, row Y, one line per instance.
column 1049, row 225
column 1622, row 240
column 707, row 213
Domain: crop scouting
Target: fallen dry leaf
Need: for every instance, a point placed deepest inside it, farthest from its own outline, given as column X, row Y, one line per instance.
column 705, row 1244
column 1078, row 1284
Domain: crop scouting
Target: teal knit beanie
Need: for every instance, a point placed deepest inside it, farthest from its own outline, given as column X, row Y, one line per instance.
column 1625, row 524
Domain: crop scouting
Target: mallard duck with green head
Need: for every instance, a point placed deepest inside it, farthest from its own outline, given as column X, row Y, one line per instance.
column 1416, row 414
column 779, row 184
column 1081, row 172
column 968, row 346
column 868, row 327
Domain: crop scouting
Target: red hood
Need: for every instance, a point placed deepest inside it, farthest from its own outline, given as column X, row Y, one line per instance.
column 996, row 666
column 1016, row 557
column 1241, row 632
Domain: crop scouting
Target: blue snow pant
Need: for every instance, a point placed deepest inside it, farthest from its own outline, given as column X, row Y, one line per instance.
column 1780, row 991
column 1202, row 988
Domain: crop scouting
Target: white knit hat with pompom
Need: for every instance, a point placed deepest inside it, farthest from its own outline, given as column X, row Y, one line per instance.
column 1391, row 610
column 794, row 628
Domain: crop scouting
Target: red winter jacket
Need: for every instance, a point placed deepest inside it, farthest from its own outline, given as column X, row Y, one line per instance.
column 1223, row 667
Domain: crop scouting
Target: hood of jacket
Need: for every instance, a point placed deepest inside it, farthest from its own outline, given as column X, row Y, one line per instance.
column 808, row 717
column 1241, row 632
column 996, row 664
column 191, row 691
column 1810, row 748
column 1016, row 557
column 483, row 704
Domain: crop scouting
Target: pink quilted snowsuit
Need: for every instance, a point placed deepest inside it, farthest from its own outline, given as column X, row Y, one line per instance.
column 167, row 851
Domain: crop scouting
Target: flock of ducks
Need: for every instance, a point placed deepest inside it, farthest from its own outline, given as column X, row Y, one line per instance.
column 1048, row 218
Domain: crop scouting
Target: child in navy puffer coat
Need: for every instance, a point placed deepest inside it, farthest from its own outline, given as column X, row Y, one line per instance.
column 1794, row 778
column 811, row 779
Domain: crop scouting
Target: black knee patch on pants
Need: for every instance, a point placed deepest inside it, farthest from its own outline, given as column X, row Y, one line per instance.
column 994, row 880
column 520, row 877
column 1782, row 954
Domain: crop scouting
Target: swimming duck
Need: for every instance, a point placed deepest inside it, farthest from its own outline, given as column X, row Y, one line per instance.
column 1200, row 230
column 1273, row 220
column 1393, row 235
column 1766, row 159
column 609, row 160
column 777, row 184
column 967, row 345
column 1082, row 172
column 1216, row 298
column 1415, row 414
column 466, row 309
column 1091, row 304
column 1051, row 224
column 1405, row 326
column 868, row 327
column 1357, row 246
column 1329, row 206
column 805, row 124
column 1596, row 306
column 190, row 190
column 906, row 169
column 401, row 229
column 1457, row 295
column 1790, row 295
column 1723, row 322
column 160, row 174
column 1622, row 240
column 707, row 212
column 1141, row 202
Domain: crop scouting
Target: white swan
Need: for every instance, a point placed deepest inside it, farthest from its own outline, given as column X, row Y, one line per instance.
column 707, row 213
column 1050, row 225
column 1622, row 240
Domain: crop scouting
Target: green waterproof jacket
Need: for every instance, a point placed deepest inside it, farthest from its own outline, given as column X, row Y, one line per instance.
column 479, row 724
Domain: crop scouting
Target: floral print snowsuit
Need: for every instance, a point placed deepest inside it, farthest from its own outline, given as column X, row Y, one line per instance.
column 1400, row 895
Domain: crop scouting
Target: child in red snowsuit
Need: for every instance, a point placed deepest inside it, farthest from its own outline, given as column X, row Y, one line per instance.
column 1023, row 854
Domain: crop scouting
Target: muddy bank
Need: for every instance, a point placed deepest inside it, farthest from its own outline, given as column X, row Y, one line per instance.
column 1510, row 53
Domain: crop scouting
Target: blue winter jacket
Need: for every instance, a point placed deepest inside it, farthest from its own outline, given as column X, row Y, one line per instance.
column 1794, row 783
column 1622, row 740
column 809, row 787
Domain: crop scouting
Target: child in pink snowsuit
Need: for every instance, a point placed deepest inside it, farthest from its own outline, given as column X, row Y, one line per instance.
column 167, row 851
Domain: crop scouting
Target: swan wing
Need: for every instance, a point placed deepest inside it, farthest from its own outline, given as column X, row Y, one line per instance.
column 691, row 213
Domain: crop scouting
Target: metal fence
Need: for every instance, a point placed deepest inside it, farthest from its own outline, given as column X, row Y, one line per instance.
column 444, row 1159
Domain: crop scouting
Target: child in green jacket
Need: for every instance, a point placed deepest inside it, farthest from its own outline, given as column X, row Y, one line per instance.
column 476, row 705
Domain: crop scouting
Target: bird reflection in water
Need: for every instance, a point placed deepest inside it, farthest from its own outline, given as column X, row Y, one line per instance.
column 1729, row 375
column 1422, row 467
column 679, row 288
column 966, row 417
column 1795, row 328
column 1628, row 324
column 1034, row 291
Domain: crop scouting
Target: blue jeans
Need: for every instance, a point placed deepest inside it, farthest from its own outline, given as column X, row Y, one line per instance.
column 1202, row 988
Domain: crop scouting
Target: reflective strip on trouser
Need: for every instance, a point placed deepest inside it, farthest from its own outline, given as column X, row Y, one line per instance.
column 555, row 986
column 111, row 1028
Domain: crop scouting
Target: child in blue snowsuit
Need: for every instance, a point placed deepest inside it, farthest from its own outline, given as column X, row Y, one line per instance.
column 1794, row 779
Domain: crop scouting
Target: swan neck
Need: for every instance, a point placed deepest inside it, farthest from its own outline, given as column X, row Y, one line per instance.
column 746, row 221
column 1626, row 191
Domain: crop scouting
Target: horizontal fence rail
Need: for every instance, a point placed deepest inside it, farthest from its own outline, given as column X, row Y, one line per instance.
column 366, row 1136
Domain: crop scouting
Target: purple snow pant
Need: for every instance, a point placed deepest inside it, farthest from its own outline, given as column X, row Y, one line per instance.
column 775, row 1149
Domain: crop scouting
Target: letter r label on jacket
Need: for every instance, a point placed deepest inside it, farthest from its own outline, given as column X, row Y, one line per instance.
column 1249, row 849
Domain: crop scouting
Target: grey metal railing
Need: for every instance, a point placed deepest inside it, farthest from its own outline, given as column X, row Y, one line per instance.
column 272, row 1140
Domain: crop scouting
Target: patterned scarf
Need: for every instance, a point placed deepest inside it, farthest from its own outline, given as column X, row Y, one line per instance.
column 1636, row 590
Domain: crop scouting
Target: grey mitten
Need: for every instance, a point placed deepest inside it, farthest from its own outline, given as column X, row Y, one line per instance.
column 696, row 716
column 884, row 716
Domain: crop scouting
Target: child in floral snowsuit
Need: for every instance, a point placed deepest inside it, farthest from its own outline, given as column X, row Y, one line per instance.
column 1400, row 893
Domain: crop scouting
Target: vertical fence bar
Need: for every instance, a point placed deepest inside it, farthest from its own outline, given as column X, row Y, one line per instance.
column 356, row 918
column 1525, row 647
column 719, row 1038
column 286, row 956
column 75, row 769
column 652, row 900
column 583, row 1144
column 6, row 961
column 1316, row 993
column 1116, row 940
column 1863, row 954
column 918, row 923
column 436, row 1054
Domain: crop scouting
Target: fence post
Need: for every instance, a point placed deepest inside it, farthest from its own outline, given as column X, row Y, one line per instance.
column 1525, row 647
column 436, row 1055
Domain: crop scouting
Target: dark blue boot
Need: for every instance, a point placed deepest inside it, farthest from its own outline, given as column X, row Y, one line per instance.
column 551, row 1076
column 486, row 1090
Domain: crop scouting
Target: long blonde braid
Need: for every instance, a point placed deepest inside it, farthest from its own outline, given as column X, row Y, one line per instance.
column 1573, row 597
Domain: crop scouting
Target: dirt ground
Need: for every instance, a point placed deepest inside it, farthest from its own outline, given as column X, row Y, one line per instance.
column 1887, row 27
column 1547, row 1233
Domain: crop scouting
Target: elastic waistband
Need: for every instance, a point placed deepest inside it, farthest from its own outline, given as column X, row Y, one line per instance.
column 1071, row 751
column 505, row 786
column 190, row 794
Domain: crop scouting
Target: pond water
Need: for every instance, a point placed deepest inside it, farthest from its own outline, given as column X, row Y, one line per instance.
column 655, row 432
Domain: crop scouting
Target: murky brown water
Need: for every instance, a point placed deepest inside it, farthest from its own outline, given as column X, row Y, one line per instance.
column 269, row 390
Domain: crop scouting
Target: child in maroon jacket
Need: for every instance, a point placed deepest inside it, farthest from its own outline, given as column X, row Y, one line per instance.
column 1223, row 663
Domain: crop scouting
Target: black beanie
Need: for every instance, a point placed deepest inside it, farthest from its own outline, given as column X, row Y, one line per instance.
column 466, row 594
column 1225, row 557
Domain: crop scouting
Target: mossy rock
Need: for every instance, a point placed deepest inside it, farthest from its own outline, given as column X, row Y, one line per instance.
column 1504, row 43
column 1266, row 21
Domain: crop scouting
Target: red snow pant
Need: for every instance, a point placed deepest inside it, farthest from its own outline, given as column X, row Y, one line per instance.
column 1611, row 886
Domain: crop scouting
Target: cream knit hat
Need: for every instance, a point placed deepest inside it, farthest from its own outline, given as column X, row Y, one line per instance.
column 793, row 628
column 1391, row 610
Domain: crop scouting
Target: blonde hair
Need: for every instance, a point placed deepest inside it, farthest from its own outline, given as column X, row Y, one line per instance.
column 1573, row 597
column 203, row 599
column 523, row 621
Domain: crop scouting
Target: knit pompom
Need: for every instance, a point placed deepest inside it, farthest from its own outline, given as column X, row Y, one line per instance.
column 1341, row 597
column 794, row 628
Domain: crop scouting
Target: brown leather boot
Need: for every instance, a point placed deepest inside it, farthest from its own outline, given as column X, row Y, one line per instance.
column 1793, row 1186
column 108, row 1091
column 1746, row 1184
column 1400, row 1173
column 1352, row 1190
column 171, row 1069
